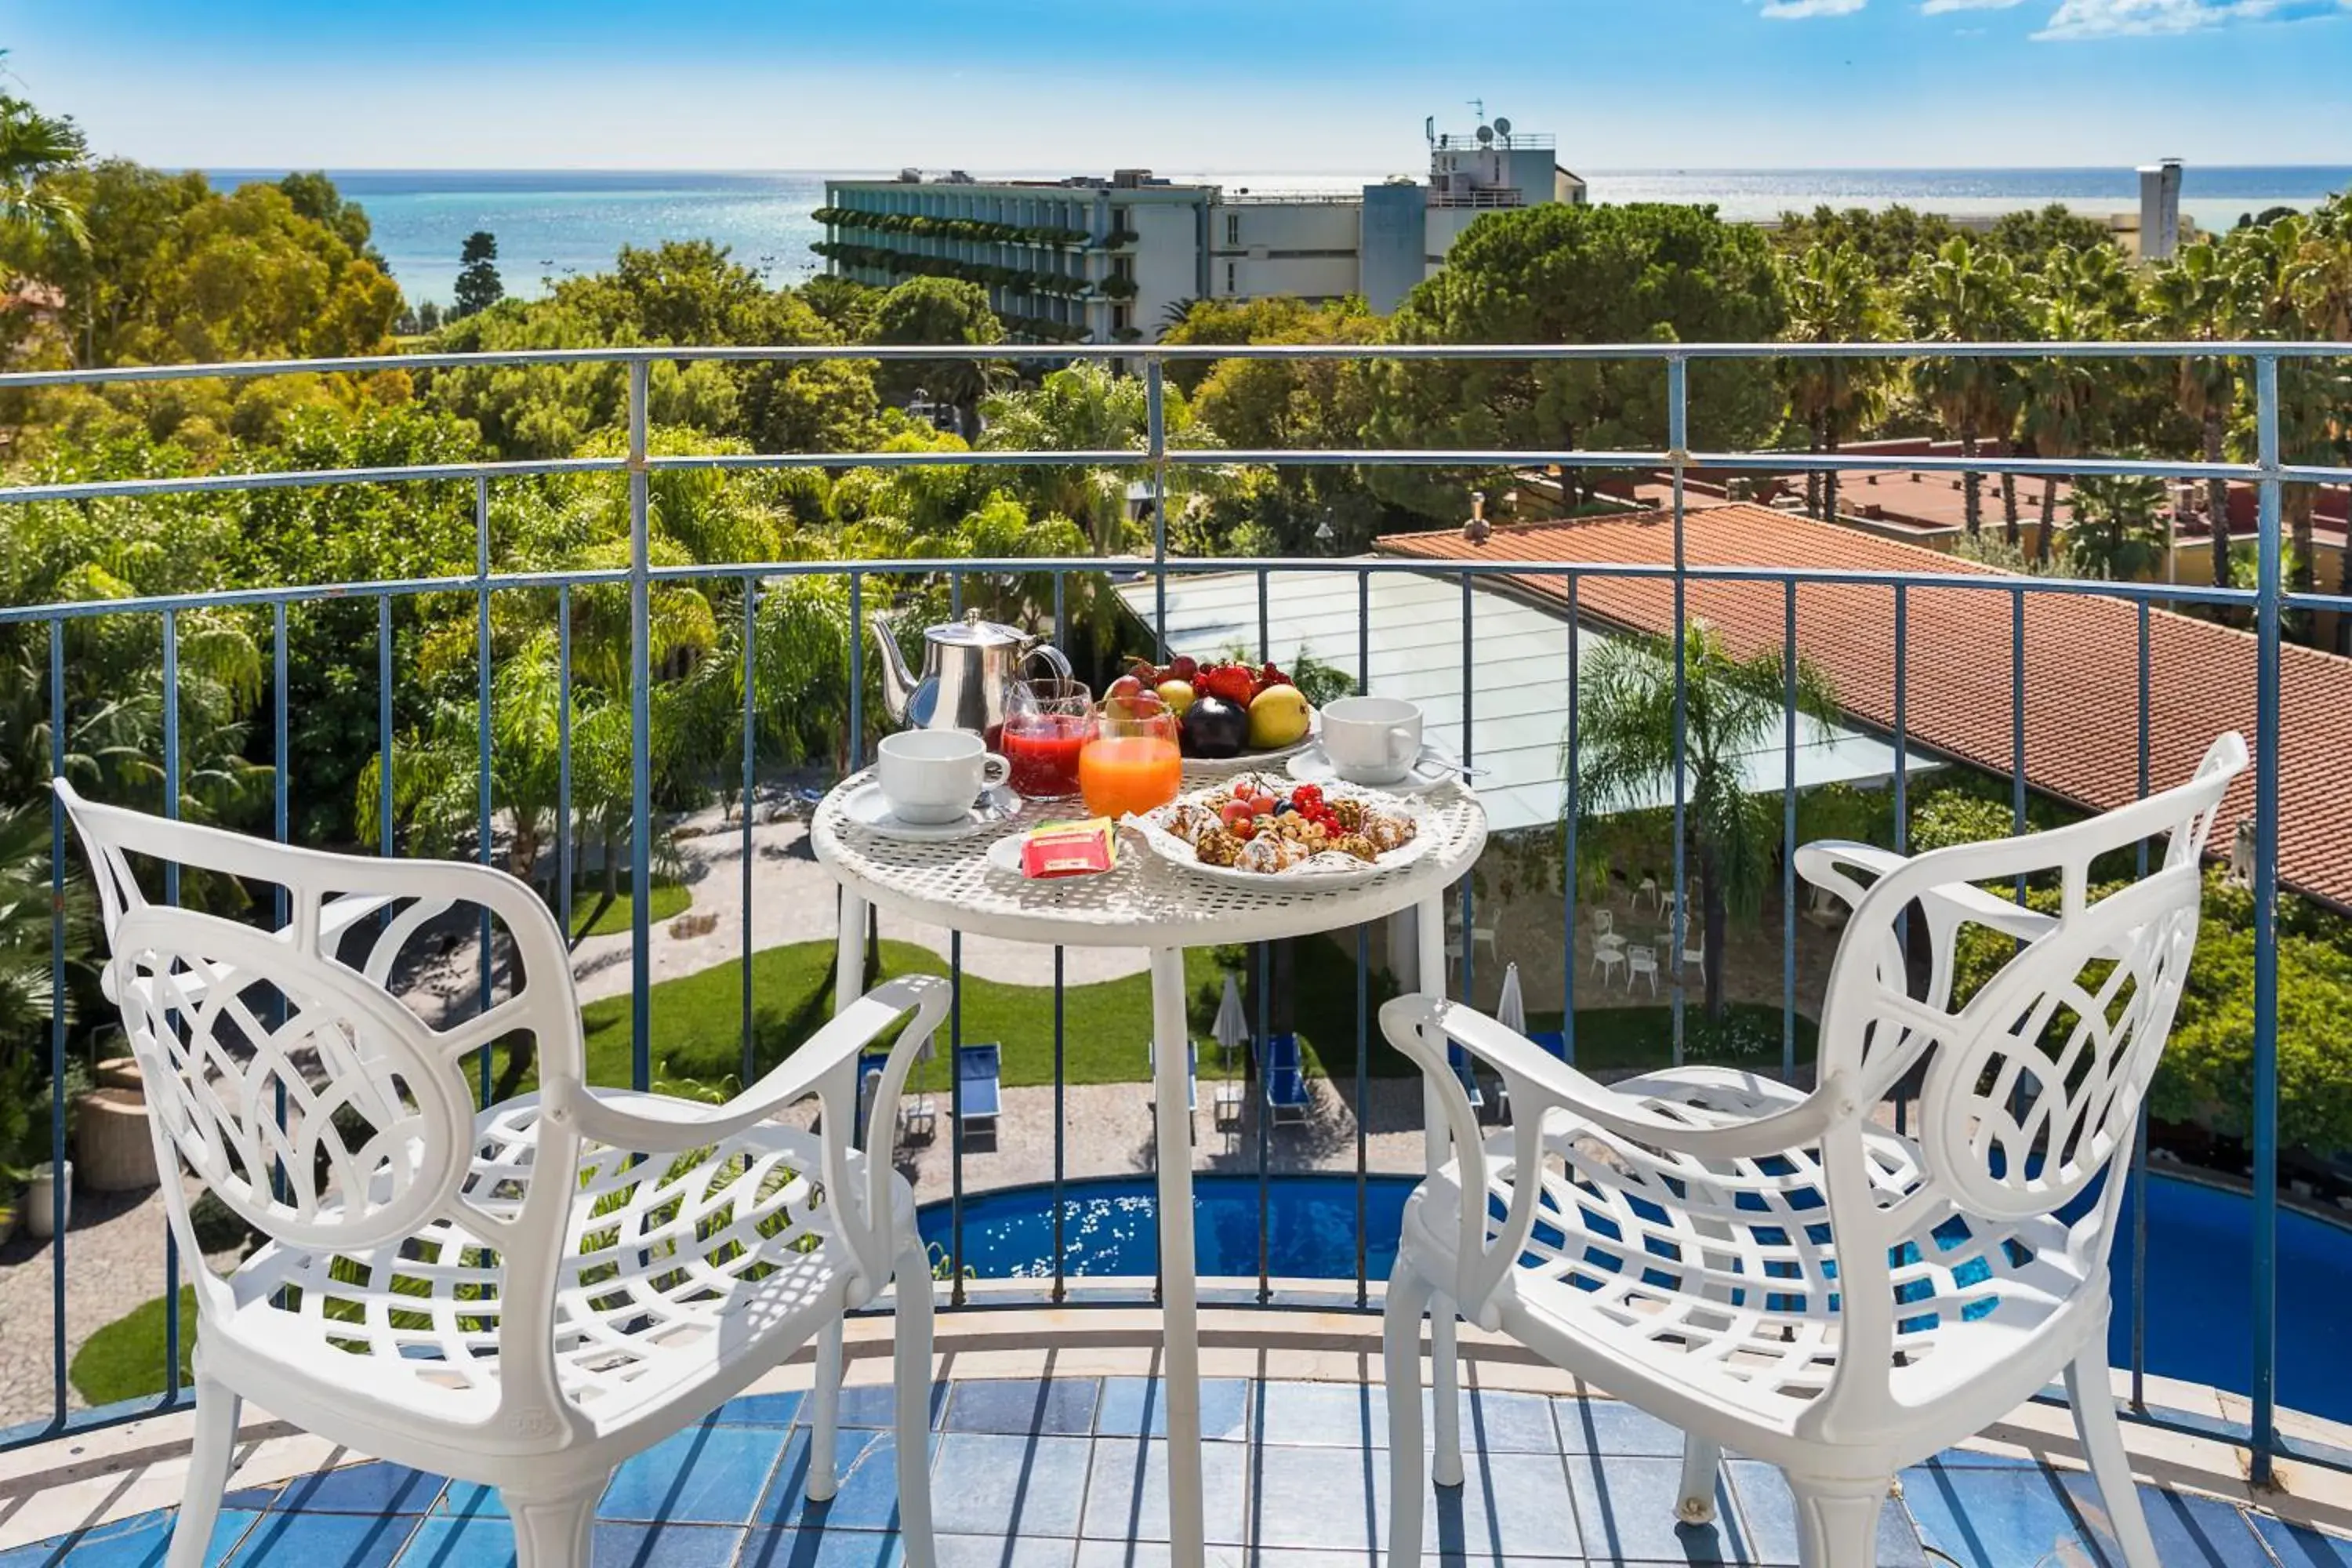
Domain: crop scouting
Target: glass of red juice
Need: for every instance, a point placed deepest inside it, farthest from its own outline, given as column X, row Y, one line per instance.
column 1043, row 740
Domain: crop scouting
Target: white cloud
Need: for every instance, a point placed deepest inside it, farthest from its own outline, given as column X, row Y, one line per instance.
column 2125, row 18
column 1792, row 10
column 1938, row 7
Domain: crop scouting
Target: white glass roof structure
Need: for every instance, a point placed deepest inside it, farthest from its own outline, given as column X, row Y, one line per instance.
column 1518, row 693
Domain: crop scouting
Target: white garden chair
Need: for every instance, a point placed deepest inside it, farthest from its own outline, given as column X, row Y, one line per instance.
column 522, row 1296
column 1604, row 923
column 1641, row 961
column 1775, row 1271
column 1608, row 957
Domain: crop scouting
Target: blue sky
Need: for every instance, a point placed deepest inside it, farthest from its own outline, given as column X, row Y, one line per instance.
column 1207, row 84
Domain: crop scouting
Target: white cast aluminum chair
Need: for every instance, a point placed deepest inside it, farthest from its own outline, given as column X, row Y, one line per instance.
column 1777, row 1273
column 523, row 1297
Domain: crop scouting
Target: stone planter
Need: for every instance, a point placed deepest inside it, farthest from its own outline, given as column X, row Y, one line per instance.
column 112, row 1146
column 41, row 1199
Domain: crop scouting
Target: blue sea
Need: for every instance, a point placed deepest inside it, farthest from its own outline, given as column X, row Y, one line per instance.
column 553, row 224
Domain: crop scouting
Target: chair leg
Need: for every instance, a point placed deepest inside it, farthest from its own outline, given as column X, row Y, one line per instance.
column 2102, row 1447
column 1702, row 1461
column 209, row 1460
column 825, row 1416
column 1445, row 1394
column 911, row 1369
column 1837, row 1522
column 552, row 1529
column 1401, row 1347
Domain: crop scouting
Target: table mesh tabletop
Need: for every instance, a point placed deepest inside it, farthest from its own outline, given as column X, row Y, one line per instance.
column 1144, row 902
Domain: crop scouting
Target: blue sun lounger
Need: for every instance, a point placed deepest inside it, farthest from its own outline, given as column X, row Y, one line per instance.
column 978, row 1072
column 1285, row 1077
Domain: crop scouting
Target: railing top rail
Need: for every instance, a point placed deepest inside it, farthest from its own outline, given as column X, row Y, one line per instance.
column 2218, row 349
column 1137, row 566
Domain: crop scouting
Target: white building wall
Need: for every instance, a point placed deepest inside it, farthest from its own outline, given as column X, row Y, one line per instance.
column 1167, row 257
column 1308, row 248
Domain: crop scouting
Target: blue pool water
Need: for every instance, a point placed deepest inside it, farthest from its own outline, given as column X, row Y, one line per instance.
column 2199, row 1262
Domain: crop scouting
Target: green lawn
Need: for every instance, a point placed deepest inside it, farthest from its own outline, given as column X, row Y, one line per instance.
column 698, row 1021
column 124, row 1360
column 593, row 914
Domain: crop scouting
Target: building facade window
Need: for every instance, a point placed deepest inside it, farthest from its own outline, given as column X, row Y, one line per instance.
column 1233, row 228
column 1229, row 278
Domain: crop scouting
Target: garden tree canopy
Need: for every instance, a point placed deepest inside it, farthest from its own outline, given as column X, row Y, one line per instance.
column 1833, row 299
column 478, row 285
column 1967, row 293
column 1890, row 240
column 1559, row 274
column 1086, row 408
column 938, row 310
column 680, row 292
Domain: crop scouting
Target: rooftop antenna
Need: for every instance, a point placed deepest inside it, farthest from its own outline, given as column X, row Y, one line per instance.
column 1428, row 130
column 1478, row 107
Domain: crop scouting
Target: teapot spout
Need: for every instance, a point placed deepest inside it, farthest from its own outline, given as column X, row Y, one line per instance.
column 898, row 681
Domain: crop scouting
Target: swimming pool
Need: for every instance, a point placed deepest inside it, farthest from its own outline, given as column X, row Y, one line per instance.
column 2199, row 1262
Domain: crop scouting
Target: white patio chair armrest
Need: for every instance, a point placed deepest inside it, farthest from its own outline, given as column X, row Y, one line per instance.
column 1538, row 1082
column 825, row 1065
column 1824, row 862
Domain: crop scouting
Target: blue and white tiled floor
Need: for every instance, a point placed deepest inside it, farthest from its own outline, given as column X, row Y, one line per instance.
column 1066, row 1473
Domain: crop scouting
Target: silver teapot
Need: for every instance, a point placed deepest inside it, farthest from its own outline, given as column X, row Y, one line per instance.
column 972, row 677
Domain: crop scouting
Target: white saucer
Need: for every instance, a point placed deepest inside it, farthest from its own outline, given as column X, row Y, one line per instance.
column 866, row 807
column 1314, row 766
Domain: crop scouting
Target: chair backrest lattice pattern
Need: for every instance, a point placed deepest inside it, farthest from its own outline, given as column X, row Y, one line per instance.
column 283, row 1072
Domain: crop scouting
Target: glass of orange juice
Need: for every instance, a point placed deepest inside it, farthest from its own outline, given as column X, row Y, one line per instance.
column 1132, row 763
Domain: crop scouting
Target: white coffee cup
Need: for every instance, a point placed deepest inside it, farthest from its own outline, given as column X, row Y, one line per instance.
column 932, row 776
column 1372, row 740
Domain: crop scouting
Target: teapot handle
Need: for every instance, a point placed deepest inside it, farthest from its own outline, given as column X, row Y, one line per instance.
column 1054, row 658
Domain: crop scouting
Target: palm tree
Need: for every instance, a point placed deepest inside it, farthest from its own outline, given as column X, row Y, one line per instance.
column 2292, row 282
column 2060, row 397
column 2118, row 528
column 1833, row 298
column 1731, row 707
column 33, row 147
column 2194, row 300
column 1966, row 294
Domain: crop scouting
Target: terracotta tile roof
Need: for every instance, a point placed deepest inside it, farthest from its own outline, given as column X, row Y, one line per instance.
column 2081, row 663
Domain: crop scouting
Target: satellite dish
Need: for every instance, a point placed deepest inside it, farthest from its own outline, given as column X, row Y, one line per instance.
column 1486, row 135
column 1502, row 126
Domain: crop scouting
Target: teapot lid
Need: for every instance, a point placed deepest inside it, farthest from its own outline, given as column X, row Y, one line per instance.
column 973, row 631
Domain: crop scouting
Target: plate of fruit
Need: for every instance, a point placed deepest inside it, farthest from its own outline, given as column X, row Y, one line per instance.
column 1255, row 824
column 1228, row 715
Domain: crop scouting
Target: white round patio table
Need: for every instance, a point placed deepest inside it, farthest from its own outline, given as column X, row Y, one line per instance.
column 1145, row 902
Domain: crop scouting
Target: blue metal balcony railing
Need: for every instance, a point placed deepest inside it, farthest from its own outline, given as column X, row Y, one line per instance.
column 2262, row 606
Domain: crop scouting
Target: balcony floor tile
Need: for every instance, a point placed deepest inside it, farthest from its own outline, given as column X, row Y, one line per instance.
column 1297, row 1478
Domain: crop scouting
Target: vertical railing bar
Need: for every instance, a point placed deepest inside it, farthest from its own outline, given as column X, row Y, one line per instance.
column 2264, row 1435
column 857, row 753
column 2139, row 1140
column 1264, row 619
column 280, row 801
column 1677, row 439
column 1155, row 425
column 750, row 766
column 1061, row 1122
column 1061, row 1106
column 58, row 1188
column 955, row 595
column 384, row 723
column 1261, row 956
column 1572, row 812
column 483, row 744
column 564, row 870
column 955, row 1112
column 1469, row 892
column 171, row 1326
column 1363, row 1110
column 1901, row 788
column 1789, row 835
column 2017, row 720
column 1364, row 990
column 641, row 725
